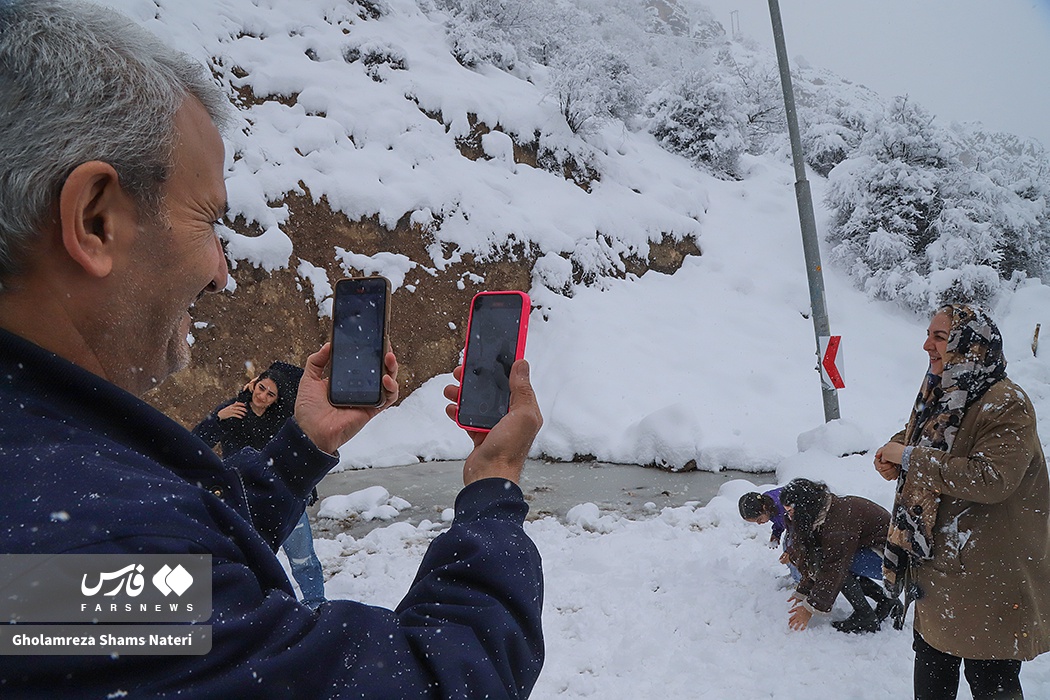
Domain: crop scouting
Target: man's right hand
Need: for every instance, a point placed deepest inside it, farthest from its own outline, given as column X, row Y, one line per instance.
column 328, row 426
column 501, row 452
column 237, row 409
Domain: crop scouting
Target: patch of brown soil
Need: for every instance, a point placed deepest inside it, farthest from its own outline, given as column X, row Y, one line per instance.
column 273, row 316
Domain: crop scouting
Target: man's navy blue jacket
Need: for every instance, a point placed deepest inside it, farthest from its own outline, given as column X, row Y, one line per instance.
column 130, row 480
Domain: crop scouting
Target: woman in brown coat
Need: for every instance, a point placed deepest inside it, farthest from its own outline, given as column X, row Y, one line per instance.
column 970, row 529
column 836, row 543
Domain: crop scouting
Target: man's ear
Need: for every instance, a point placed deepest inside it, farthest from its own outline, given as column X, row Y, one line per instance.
column 97, row 217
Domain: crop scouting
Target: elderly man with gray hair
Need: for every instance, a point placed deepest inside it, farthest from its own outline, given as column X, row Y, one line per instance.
column 111, row 181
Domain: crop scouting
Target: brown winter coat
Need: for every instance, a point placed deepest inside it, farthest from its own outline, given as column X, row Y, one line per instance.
column 986, row 591
column 852, row 523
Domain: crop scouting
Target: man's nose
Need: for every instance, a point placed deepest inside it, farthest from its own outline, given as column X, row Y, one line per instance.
column 222, row 271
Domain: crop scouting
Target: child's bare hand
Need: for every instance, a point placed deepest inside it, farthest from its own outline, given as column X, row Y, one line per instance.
column 800, row 617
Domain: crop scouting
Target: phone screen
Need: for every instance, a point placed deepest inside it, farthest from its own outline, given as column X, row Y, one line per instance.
column 359, row 316
column 493, row 344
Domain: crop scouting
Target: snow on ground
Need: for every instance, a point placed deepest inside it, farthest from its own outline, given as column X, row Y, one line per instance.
column 371, row 503
column 688, row 603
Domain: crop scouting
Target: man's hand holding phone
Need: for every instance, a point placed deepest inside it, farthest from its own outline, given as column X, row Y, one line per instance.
column 501, row 451
column 328, row 426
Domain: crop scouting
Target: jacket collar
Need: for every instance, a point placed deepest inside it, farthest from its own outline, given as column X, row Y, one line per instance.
column 38, row 379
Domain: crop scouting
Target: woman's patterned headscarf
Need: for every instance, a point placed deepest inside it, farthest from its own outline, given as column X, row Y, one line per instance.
column 973, row 362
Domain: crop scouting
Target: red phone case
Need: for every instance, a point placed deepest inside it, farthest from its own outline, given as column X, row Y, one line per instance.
column 519, row 351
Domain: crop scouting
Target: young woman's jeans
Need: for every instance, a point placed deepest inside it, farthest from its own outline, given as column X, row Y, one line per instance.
column 796, row 575
column 867, row 562
column 937, row 675
column 306, row 569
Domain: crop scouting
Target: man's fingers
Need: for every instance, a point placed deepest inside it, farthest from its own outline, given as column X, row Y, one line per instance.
column 389, row 380
column 520, row 387
column 390, row 360
column 522, row 397
column 519, row 377
column 316, row 363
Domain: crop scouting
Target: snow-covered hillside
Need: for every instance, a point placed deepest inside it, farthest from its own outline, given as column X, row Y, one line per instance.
column 714, row 364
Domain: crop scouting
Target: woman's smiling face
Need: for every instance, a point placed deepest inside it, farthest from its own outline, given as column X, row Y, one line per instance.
column 265, row 394
column 936, row 345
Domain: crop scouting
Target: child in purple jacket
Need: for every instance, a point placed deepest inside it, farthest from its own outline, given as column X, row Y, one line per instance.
column 762, row 508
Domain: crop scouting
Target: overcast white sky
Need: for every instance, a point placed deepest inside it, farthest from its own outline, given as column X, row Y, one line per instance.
column 965, row 60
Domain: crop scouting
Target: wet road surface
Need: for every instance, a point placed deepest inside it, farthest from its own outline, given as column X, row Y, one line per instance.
column 551, row 488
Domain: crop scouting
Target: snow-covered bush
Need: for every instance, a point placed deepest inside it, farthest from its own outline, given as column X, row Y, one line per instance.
column 592, row 84
column 496, row 31
column 698, row 118
column 834, row 115
column 914, row 223
column 760, row 97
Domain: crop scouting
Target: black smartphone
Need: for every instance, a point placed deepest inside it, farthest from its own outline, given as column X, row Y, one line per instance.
column 360, row 315
column 496, row 331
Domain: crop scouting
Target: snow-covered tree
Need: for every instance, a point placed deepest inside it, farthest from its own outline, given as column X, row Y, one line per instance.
column 1017, row 173
column 592, row 84
column 915, row 223
column 698, row 117
column 886, row 198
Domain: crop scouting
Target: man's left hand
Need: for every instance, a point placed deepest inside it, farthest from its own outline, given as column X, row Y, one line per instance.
column 328, row 426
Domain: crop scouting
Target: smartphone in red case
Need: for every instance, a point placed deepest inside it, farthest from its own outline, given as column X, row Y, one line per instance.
column 496, row 330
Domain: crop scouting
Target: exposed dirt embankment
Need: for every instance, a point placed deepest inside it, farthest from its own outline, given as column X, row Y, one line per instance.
column 274, row 316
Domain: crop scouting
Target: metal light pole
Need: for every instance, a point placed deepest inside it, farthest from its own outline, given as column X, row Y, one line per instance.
column 804, row 198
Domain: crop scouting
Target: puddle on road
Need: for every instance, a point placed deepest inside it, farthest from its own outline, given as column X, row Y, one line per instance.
column 551, row 488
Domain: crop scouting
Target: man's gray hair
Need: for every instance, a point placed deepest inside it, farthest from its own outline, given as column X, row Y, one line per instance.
column 80, row 82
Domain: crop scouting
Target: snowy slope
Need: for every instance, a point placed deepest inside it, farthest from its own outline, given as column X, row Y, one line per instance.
column 713, row 364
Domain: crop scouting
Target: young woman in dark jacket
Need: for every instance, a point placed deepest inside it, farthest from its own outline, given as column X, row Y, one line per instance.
column 252, row 419
column 836, row 543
